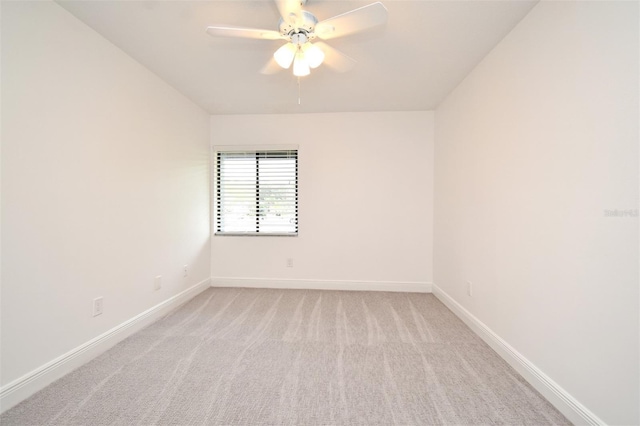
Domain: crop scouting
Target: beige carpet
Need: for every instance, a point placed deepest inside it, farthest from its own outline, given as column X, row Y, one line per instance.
column 303, row 357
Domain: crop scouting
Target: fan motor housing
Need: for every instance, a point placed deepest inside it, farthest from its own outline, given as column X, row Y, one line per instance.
column 306, row 25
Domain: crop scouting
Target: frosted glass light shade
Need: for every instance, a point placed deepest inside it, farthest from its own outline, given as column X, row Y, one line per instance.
column 284, row 55
column 314, row 55
column 300, row 65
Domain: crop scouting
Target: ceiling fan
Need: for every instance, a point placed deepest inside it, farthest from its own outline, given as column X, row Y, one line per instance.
column 300, row 27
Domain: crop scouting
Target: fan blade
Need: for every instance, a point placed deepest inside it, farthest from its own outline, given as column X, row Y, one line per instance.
column 243, row 33
column 335, row 59
column 290, row 10
column 270, row 67
column 351, row 22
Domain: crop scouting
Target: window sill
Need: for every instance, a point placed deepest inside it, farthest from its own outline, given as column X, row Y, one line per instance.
column 254, row 234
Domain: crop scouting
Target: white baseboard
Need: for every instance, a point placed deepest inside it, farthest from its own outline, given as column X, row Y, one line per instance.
column 25, row 386
column 395, row 286
column 555, row 394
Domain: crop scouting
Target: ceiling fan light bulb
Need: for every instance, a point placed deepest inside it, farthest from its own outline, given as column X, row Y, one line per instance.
column 284, row 55
column 300, row 66
column 314, row 55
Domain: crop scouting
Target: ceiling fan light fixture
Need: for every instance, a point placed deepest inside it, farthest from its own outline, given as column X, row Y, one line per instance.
column 313, row 54
column 300, row 65
column 299, row 27
column 284, row 55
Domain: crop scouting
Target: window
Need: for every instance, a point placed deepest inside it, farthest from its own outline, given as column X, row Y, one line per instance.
column 256, row 192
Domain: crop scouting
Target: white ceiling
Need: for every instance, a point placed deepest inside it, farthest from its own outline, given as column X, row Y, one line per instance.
column 420, row 55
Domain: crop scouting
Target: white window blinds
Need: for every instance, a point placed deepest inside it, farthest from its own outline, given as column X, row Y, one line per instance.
column 257, row 192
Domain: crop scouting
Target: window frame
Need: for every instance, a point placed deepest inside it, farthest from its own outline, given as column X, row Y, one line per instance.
column 216, row 200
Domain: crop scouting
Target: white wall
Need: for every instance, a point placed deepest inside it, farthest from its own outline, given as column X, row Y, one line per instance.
column 365, row 199
column 531, row 150
column 105, row 184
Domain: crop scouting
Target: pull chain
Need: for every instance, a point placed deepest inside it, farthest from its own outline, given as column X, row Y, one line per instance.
column 298, row 90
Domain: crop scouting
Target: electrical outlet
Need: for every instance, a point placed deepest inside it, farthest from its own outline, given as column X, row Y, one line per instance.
column 97, row 306
column 185, row 270
column 470, row 288
column 157, row 283
column 289, row 262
